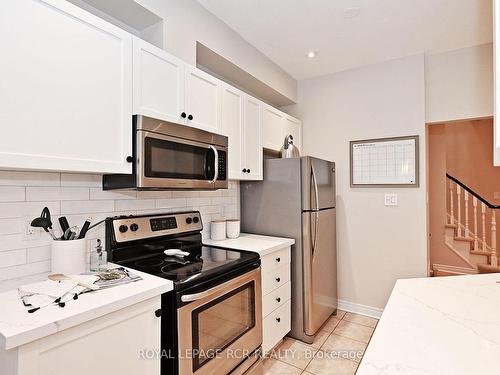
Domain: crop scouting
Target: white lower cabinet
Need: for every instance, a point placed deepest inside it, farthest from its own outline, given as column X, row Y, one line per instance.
column 122, row 342
column 276, row 297
column 66, row 89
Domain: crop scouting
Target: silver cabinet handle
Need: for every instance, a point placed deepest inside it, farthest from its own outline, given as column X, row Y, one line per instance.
column 216, row 167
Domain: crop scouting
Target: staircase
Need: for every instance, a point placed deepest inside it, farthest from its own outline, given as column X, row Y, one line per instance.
column 470, row 230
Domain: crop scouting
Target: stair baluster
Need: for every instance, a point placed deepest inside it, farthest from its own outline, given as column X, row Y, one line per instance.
column 483, row 218
column 493, row 260
column 474, row 205
column 466, row 206
column 459, row 213
column 452, row 212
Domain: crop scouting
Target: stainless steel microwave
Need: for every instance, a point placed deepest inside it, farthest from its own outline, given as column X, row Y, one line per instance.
column 172, row 156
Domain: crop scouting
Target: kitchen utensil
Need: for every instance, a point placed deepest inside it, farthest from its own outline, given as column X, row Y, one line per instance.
column 44, row 222
column 63, row 222
column 60, row 277
column 233, row 228
column 218, row 230
column 176, row 252
column 289, row 150
column 84, row 230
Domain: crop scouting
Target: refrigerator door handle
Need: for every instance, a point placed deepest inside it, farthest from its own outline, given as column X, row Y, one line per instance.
column 315, row 237
column 315, row 182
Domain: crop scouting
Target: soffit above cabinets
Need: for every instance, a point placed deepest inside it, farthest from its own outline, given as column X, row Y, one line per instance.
column 352, row 33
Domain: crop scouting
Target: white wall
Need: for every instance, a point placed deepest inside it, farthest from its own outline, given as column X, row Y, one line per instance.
column 376, row 244
column 459, row 84
column 187, row 22
column 78, row 196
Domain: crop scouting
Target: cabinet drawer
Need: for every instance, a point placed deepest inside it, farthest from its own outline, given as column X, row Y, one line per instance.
column 275, row 278
column 275, row 299
column 276, row 326
column 275, row 259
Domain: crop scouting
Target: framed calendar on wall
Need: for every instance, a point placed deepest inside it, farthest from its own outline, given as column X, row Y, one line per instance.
column 385, row 162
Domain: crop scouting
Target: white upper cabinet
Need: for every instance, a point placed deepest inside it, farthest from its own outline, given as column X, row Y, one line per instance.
column 158, row 82
column 273, row 128
column 277, row 125
column 252, row 139
column 232, row 127
column 202, row 100
column 241, row 123
column 66, row 89
column 293, row 127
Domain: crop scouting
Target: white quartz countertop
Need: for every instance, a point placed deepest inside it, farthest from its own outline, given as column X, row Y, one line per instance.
column 253, row 242
column 440, row 325
column 18, row 327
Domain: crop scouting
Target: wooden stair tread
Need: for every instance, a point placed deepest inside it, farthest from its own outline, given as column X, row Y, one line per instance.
column 479, row 252
column 454, row 226
column 486, row 268
column 465, row 239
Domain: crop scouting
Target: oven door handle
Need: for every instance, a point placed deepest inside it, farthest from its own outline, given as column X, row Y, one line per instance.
column 216, row 162
column 196, row 296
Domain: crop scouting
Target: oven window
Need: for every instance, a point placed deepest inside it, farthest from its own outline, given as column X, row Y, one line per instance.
column 166, row 159
column 221, row 322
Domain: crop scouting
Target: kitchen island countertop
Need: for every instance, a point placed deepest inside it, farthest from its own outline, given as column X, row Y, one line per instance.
column 445, row 325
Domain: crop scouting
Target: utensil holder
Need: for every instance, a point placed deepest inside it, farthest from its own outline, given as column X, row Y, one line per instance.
column 69, row 257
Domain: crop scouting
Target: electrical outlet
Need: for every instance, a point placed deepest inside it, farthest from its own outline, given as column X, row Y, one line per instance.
column 30, row 231
column 391, row 200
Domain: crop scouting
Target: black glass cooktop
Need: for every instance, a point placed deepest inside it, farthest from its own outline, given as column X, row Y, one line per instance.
column 202, row 263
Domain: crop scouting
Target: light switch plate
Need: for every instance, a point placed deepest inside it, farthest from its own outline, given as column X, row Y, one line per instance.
column 391, row 200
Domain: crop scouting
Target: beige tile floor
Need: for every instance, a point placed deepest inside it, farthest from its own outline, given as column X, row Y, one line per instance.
column 337, row 350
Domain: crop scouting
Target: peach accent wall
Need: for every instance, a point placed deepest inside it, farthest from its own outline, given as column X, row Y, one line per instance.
column 469, row 157
column 464, row 150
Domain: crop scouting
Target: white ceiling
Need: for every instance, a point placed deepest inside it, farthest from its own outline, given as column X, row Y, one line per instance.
column 285, row 30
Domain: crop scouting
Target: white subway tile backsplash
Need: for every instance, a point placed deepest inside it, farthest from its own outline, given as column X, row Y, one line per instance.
column 133, row 205
column 26, row 258
column 81, row 180
column 99, row 194
column 57, row 193
column 12, row 193
column 171, row 203
column 21, row 209
column 38, row 254
column 15, row 178
column 10, row 226
column 12, row 258
column 82, row 207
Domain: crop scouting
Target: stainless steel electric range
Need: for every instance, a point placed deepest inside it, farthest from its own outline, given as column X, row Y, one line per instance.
column 211, row 323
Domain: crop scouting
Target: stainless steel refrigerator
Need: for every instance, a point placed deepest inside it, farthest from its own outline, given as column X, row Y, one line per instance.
column 296, row 199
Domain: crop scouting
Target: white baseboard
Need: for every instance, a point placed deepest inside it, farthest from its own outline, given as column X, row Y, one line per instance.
column 357, row 308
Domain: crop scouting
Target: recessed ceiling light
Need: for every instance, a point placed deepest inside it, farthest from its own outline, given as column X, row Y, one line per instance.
column 311, row 54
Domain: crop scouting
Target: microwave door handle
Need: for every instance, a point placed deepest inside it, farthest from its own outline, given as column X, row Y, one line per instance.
column 216, row 162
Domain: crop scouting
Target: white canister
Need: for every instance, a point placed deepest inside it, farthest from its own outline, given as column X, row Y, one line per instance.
column 69, row 257
column 218, row 230
column 233, row 228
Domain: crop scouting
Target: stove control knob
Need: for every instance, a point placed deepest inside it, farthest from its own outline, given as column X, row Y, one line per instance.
column 123, row 228
column 189, row 220
column 134, row 227
column 196, row 219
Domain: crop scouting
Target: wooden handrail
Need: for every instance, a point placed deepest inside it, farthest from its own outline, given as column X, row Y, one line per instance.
column 463, row 186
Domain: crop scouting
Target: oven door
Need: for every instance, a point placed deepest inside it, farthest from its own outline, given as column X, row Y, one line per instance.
column 219, row 328
column 170, row 162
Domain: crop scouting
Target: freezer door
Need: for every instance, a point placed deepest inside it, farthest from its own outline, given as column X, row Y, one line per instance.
column 318, row 183
column 320, row 268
